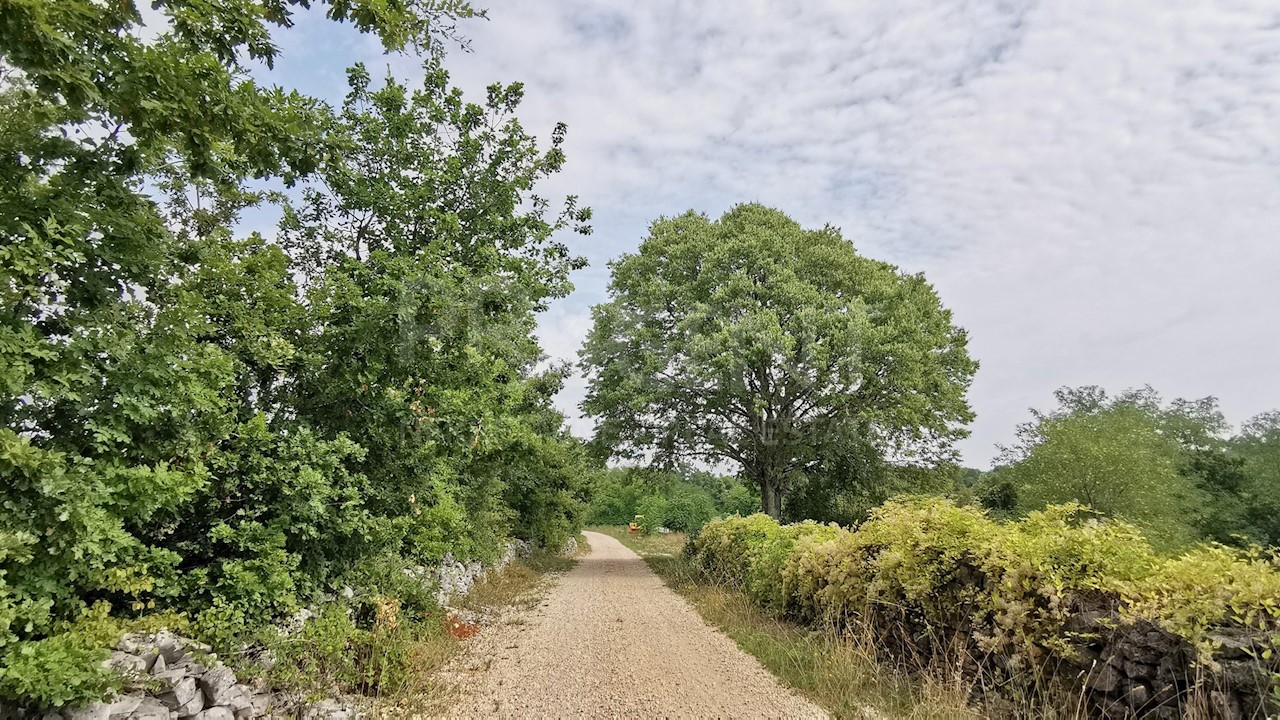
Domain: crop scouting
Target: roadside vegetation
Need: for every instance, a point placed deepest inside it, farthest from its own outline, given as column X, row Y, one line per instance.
column 215, row 430
column 666, row 499
column 391, row 654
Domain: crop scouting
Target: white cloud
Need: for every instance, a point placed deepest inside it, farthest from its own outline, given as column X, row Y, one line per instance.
column 1093, row 186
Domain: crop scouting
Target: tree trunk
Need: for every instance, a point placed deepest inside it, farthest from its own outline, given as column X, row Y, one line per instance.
column 771, row 497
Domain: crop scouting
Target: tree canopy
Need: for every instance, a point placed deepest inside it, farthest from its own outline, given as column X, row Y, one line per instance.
column 1172, row 467
column 751, row 340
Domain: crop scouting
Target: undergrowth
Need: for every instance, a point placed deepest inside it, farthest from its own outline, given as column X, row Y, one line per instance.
column 390, row 651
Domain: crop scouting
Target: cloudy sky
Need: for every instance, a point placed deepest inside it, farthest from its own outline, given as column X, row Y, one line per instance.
column 1092, row 186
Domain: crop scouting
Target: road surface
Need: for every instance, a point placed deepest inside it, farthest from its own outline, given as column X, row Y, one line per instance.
column 611, row 640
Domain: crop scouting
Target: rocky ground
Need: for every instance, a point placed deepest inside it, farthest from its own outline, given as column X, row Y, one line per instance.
column 611, row 640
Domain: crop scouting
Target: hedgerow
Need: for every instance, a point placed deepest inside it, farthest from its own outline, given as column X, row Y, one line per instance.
column 1019, row 600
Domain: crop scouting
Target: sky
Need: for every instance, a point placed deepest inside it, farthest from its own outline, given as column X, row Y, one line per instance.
column 1092, row 186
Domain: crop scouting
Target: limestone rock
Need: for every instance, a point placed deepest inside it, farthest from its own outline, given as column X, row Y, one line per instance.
column 216, row 713
column 1103, row 678
column 171, row 647
column 262, row 705
column 126, row 663
column 123, row 705
column 240, row 699
column 1138, row 696
column 180, row 692
column 150, row 709
column 1138, row 671
column 193, row 706
column 92, row 711
column 328, row 709
column 168, row 679
column 216, row 683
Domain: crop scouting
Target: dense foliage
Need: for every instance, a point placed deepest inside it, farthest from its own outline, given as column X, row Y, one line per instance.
column 222, row 426
column 938, row 582
column 1171, row 468
column 750, row 340
column 677, row 501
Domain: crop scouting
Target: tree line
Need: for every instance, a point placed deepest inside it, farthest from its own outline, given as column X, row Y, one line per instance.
column 835, row 382
column 222, row 425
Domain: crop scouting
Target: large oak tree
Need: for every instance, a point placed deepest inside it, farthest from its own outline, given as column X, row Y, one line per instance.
column 753, row 341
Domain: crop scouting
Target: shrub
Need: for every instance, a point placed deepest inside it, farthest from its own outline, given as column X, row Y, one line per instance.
column 653, row 509
column 1211, row 587
column 688, row 508
column 1058, row 586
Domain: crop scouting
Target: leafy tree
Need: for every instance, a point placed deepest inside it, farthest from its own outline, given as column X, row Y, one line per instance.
column 1258, row 448
column 221, row 426
column 846, row 492
column 1124, row 457
column 429, row 257
column 751, row 340
column 688, row 508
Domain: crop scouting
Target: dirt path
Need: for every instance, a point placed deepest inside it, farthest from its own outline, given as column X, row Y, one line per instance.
column 611, row 640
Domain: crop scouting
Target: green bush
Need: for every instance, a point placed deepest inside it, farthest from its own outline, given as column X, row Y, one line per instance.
column 664, row 498
column 1009, row 589
column 653, row 512
column 688, row 508
column 614, row 502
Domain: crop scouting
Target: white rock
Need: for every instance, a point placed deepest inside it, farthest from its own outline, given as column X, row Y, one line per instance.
column 193, row 706
column 170, row 646
column 262, row 704
column 92, row 711
column 216, row 713
column 180, row 694
column 168, row 679
column 159, row 665
column 123, row 705
column 240, row 699
column 125, row 663
column 216, row 682
column 150, row 709
column 133, row 643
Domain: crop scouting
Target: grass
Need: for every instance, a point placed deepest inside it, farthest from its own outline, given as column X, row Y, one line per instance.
column 654, row 545
column 840, row 674
column 518, row 584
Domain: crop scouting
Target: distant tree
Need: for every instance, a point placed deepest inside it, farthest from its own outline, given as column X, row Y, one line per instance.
column 751, row 340
column 846, row 492
column 1258, row 448
column 1124, row 457
column 996, row 492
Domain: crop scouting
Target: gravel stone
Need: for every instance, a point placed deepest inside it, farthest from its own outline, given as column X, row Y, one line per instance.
column 612, row 639
column 92, row 711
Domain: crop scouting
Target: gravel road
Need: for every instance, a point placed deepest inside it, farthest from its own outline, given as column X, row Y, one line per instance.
column 611, row 640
